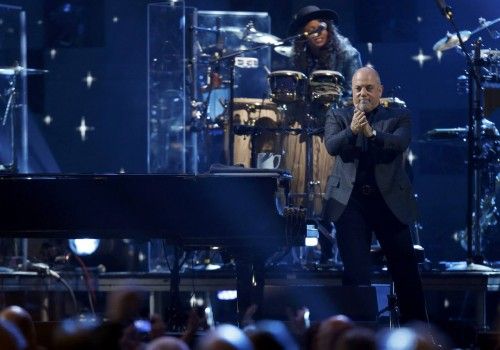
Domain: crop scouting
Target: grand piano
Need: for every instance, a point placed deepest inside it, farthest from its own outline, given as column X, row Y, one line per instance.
column 222, row 209
column 241, row 212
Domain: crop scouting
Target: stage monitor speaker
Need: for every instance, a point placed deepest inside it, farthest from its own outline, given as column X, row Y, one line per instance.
column 358, row 303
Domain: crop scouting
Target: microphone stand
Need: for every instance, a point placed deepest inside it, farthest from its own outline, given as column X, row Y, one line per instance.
column 474, row 257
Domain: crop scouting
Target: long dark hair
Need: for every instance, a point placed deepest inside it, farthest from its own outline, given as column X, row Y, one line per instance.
column 303, row 56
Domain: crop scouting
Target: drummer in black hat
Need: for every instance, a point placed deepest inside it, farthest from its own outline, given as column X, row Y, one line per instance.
column 325, row 49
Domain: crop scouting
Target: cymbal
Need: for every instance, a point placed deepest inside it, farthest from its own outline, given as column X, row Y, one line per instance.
column 252, row 35
column 208, row 55
column 286, row 51
column 262, row 38
column 488, row 53
column 237, row 31
column 451, row 40
column 483, row 24
column 446, row 133
column 19, row 69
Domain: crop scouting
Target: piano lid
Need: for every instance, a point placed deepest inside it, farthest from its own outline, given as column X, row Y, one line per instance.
column 204, row 210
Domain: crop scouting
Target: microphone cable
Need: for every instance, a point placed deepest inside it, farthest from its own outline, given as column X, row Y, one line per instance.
column 86, row 277
column 44, row 270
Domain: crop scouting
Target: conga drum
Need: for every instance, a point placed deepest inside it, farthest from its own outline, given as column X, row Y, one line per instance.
column 287, row 86
column 326, row 87
column 253, row 117
column 294, row 160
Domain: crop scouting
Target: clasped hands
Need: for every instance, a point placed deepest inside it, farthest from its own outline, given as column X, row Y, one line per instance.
column 359, row 124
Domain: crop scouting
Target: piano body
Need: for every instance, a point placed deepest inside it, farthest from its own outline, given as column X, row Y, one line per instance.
column 237, row 211
column 189, row 210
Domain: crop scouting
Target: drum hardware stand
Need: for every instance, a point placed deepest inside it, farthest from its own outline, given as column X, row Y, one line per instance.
column 474, row 159
column 310, row 183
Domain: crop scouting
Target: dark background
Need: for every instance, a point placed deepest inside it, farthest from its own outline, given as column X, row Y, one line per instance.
column 87, row 39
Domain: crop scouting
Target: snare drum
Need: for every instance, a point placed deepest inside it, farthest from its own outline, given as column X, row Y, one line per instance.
column 326, row 86
column 287, row 86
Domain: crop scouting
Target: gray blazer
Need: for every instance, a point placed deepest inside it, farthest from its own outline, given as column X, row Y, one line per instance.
column 393, row 126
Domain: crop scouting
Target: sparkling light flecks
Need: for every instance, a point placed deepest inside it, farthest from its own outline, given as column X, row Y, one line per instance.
column 89, row 80
column 411, row 157
column 83, row 128
column 47, row 119
column 369, row 47
column 53, row 53
column 421, row 58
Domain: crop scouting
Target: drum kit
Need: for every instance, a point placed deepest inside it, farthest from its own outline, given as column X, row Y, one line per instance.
column 482, row 83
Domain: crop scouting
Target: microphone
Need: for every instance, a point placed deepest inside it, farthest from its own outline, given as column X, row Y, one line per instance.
column 38, row 267
column 322, row 26
column 42, row 269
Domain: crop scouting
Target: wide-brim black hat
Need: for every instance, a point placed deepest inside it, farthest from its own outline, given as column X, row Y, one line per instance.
column 309, row 13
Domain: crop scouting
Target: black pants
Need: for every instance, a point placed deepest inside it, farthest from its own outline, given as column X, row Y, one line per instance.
column 363, row 215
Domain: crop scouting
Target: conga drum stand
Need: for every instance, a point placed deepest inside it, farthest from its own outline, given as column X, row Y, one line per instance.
column 310, row 183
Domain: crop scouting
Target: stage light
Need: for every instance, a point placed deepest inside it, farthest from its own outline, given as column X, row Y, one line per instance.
column 209, row 316
column 196, row 302
column 227, row 295
column 212, row 267
column 400, row 339
column 85, row 246
column 307, row 317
